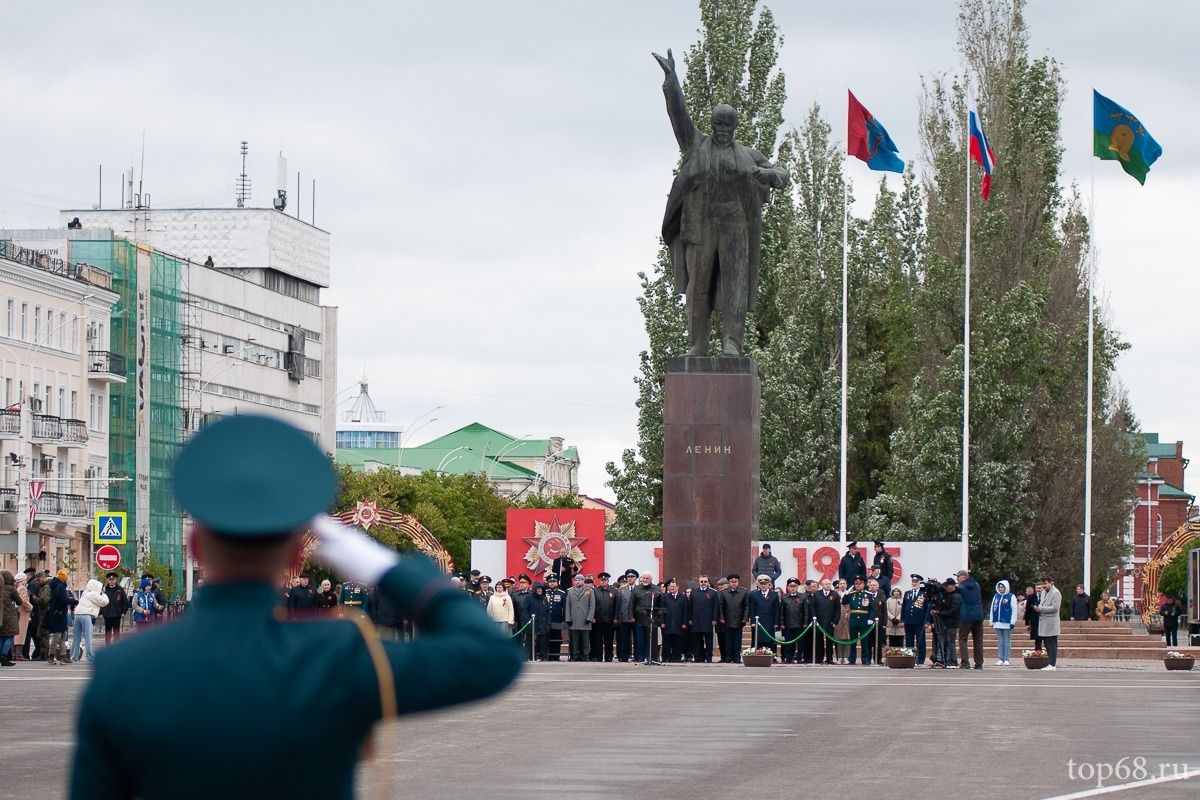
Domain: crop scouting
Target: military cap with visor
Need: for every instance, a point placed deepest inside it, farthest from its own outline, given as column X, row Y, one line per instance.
column 251, row 476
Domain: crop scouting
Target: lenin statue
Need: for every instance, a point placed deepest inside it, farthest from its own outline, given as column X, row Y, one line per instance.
column 713, row 222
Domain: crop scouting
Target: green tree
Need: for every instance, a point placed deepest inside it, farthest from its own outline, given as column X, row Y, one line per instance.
column 734, row 62
column 1029, row 322
column 1172, row 581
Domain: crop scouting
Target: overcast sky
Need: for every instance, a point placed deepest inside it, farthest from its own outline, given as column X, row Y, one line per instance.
column 493, row 174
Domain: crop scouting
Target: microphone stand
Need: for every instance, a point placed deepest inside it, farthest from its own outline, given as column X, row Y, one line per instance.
column 650, row 636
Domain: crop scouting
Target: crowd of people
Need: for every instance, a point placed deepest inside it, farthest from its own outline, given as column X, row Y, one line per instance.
column 43, row 619
column 853, row 618
column 849, row 619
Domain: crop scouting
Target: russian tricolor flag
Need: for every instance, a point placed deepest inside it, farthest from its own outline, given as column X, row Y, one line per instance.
column 981, row 153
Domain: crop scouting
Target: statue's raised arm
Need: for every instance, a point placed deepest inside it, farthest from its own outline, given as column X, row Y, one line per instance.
column 685, row 130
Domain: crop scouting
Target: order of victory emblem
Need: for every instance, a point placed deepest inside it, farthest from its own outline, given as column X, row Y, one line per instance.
column 366, row 514
column 551, row 540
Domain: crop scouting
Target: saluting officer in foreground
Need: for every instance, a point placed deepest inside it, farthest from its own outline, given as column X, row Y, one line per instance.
column 245, row 687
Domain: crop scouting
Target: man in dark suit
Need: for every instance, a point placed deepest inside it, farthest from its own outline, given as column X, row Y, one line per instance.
column 827, row 608
column 703, row 613
column 645, row 605
column 734, row 602
column 764, row 613
column 674, row 621
column 235, row 720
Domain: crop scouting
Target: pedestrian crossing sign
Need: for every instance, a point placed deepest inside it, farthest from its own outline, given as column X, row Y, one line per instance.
column 109, row 527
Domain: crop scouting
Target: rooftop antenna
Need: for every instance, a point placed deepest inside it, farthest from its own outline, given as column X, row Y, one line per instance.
column 141, row 171
column 243, row 182
column 280, row 201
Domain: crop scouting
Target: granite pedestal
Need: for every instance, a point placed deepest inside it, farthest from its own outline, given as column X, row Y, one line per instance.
column 710, row 467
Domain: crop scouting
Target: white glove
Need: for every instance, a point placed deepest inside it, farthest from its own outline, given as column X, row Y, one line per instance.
column 351, row 554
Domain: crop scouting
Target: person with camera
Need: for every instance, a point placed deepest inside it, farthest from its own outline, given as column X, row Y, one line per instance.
column 949, row 613
column 971, row 619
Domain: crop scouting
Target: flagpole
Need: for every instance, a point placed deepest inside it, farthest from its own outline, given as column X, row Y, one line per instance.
column 845, row 353
column 966, row 422
column 1087, row 468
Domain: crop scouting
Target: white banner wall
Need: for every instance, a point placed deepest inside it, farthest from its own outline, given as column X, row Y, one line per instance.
column 803, row 560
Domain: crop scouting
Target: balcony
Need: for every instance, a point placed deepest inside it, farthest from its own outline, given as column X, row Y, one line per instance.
column 10, row 424
column 57, row 504
column 8, row 498
column 95, row 504
column 106, row 367
column 58, row 431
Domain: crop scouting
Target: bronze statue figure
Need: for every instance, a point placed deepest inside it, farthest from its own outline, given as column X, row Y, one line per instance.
column 713, row 222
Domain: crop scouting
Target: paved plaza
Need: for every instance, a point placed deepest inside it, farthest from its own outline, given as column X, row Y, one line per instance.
column 692, row 731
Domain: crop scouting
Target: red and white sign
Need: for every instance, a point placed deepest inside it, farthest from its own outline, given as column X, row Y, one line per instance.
column 537, row 536
column 108, row 557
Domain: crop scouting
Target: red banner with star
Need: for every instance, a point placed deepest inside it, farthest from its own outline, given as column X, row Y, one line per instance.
column 535, row 537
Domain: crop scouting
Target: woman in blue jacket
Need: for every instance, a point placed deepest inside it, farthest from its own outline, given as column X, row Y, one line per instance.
column 1004, row 618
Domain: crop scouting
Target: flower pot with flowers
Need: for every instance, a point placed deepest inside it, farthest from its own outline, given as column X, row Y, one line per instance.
column 757, row 657
column 1035, row 659
column 1174, row 660
column 900, row 658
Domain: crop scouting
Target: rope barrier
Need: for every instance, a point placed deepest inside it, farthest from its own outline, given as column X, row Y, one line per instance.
column 870, row 629
column 522, row 630
column 780, row 641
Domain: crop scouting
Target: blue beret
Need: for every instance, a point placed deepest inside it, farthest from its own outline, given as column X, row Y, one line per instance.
column 251, row 475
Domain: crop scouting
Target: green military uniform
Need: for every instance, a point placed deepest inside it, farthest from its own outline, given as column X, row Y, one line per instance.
column 234, row 701
column 862, row 609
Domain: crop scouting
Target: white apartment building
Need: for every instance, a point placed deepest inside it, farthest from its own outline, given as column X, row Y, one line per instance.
column 255, row 336
column 56, row 368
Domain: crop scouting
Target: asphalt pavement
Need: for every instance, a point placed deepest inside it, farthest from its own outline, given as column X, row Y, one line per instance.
column 701, row 731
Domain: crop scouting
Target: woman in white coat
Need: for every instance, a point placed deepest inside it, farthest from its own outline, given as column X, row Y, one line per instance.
column 90, row 603
column 500, row 608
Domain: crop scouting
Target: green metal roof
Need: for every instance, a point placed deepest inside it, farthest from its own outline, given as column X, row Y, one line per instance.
column 1167, row 490
column 470, row 449
column 1155, row 449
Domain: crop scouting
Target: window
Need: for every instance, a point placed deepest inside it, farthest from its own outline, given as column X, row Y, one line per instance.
column 24, row 321
column 75, row 334
column 74, row 405
column 8, row 395
column 49, row 327
column 12, row 314
column 1158, row 528
column 62, row 402
column 37, row 324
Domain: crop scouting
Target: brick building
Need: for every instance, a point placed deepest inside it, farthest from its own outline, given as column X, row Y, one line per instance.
column 1162, row 506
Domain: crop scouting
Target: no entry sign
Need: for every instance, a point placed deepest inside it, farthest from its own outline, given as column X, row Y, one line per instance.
column 108, row 557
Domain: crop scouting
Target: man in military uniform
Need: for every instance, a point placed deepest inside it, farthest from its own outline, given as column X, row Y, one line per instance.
column 861, row 606
column 915, row 613
column 606, row 612
column 793, row 616
column 236, row 717
column 556, row 608
column 852, row 565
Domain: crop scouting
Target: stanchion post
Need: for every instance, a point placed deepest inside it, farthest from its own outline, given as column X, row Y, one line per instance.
column 813, row 626
column 533, row 637
column 756, row 624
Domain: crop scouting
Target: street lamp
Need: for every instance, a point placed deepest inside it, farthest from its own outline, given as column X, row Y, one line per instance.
column 503, row 450
column 24, row 366
column 408, row 432
column 446, row 458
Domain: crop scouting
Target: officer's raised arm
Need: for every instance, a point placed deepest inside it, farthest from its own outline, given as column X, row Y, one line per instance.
column 459, row 654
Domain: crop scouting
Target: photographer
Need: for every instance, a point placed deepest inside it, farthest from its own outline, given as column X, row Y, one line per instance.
column 949, row 612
